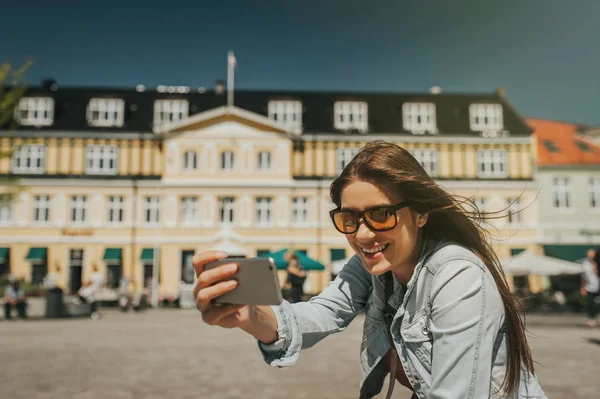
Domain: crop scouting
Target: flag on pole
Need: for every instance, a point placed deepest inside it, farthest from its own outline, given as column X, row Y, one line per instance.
column 231, row 65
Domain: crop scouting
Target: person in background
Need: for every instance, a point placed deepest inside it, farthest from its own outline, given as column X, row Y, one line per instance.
column 14, row 296
column 590, row 287
column 88, row 293
column 296, row 278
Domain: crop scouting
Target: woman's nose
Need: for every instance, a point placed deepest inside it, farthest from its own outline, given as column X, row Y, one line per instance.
column 364, row 233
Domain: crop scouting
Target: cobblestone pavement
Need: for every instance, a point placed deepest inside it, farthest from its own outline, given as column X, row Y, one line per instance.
column 172, row 354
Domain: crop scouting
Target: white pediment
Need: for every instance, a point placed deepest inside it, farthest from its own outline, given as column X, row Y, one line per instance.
column 230, row 130
column 227, row 119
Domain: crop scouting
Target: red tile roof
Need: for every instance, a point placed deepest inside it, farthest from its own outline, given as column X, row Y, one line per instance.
column 559, row 144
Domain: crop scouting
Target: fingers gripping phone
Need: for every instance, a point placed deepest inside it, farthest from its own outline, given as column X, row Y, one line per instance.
column 258, row 283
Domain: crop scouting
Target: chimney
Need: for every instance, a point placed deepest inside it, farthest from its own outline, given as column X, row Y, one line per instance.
column 435, row 90
column 501, row 91
column 219, row 86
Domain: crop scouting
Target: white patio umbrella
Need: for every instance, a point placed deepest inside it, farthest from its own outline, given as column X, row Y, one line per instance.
column 336, row 266
column 527, row 263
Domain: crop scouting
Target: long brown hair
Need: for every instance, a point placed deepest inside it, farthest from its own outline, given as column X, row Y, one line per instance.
column 396, row 172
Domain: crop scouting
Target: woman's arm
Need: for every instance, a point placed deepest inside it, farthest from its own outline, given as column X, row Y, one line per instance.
column 302, row 325
column 467, row 313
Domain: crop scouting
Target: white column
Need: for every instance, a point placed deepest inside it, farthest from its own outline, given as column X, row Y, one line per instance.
column 95, row 210
column 208, row 210
column 244, row 210
column 282, row 158
column 24, row 210
column 211, row 158
column 173, row 158
column 312, row 211
column 170, row 208
column 59, row 207
column 282, row 211
column 247, row 161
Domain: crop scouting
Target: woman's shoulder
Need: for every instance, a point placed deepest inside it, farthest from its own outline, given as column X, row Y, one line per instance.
column 445, row 252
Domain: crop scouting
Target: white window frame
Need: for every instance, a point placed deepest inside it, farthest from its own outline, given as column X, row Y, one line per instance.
column 226, row 211
column 343, row 156
column 101, row 159
column 264, row 211
column 479, row 203
column 106, row 112
column 419, row 118
column 514, row 212
column 300, row 211
column 486, row 117
column 29, row 158
column 288, row 113
column 41, row 209
column 492, row 163
column 35, row 111
column 351, row 115
column 78, row 209
column 170, row 111
column 6, row 211
column 428, row 158
column 115, row 205
column 594, row 187
column 189, row 211
column 152, row 210
column 263, row 162
column 190, row 161
column 562, row 198
column 227, row 161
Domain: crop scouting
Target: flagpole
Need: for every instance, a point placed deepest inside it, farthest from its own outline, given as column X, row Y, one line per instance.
column 230, row 70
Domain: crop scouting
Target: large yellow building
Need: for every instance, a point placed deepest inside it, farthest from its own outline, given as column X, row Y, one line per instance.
column 123, row 178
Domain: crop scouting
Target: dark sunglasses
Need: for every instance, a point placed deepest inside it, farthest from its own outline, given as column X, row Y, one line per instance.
column 379, row 218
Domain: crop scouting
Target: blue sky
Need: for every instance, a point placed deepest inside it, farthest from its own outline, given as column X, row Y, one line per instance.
column 544, row 52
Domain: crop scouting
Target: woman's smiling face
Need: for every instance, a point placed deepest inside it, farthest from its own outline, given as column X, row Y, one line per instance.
column 397, row 249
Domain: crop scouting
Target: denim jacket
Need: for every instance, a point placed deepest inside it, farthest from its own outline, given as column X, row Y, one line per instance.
column 449, row 329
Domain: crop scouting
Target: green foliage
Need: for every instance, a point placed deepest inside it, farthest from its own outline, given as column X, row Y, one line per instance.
column 30, row 289
column 12, row 89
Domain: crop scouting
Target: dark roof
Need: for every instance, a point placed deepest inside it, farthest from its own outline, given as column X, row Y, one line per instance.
column 384, row 109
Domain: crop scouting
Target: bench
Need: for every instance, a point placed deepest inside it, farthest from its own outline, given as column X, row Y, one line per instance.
column 36, row 308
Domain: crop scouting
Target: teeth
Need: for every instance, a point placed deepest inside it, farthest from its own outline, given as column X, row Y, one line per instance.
column 374, row 250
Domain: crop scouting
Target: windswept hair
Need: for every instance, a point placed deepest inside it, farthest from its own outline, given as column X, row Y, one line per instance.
column 398, row 174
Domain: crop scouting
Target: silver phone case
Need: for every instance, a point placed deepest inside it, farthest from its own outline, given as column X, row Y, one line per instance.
column 258, row 283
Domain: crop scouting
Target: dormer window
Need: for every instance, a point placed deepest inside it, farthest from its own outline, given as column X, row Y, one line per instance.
column 35, row 111
column 169, row 111
column 351, row 115
column 287, row 113
column 486, row 117
column 106, row 112
column 419, row 117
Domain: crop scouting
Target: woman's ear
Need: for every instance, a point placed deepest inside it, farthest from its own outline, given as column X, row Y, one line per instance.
column 422, row 219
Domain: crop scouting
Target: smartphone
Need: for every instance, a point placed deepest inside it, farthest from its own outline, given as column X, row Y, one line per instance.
column 258, row 283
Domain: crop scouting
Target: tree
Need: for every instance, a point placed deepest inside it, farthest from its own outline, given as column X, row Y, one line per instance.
column 12, row 90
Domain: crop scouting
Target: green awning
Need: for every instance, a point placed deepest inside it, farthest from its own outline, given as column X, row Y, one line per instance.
column 112, row 255
column 571, row 253
column 147, row 255
column 338, row 254
column 516, row 251
column 3, row 254
column 305, row 261
column 36, row 254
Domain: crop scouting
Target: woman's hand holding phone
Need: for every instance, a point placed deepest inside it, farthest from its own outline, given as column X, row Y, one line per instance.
column 256, row 320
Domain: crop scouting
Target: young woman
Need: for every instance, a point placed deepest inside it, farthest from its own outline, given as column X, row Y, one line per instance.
column 439, row 314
